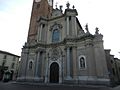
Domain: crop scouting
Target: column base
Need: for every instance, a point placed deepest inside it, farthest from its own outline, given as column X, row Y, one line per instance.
column 68, row 78
column 38, row 79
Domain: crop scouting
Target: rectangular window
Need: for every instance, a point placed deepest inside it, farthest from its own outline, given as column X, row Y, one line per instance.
column 12, row 65
column 5, row 56
column 55, row 35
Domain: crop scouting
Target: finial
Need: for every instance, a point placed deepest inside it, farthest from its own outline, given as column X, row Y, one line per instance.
column 56, row 4
column 97, row 30
column 73, row 7
column 68, row 5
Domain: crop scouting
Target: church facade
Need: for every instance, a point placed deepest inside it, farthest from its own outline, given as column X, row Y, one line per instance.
column 58, row 50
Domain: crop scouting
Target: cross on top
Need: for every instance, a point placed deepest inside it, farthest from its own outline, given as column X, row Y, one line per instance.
column 68, row 5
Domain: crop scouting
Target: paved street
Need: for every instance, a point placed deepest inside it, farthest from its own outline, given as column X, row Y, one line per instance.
column 18, row 86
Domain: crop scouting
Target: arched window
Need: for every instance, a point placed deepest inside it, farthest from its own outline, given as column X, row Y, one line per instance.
column 82, row 62
column 56, row 36
column 30, row 65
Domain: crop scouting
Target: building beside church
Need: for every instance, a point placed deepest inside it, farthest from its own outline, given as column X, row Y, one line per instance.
column 58, row 50
column 113, row 65
column 8, row 65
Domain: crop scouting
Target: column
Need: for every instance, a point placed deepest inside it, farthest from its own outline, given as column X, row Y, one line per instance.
column 46, row 69
column 75, row 63
column 68, row 63
column 61, row 70
column 36, row 68
column 42, row 55
column 25, row 57
column 74, row 27
column 22, row 74
column 39, row 32
column 67, row 26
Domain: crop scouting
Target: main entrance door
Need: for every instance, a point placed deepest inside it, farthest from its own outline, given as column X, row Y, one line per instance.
column 54, row 73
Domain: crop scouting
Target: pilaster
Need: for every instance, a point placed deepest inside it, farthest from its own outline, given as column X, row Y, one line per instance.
column 39, row 32
column 36, row 67
column 74, row 27
column 68, row 26
column 75, row 63
column 68, row 64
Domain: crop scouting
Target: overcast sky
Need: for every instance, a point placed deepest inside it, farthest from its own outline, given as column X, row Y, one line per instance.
column 15, row 18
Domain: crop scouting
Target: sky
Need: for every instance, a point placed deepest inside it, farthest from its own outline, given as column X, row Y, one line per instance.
column 104, row 14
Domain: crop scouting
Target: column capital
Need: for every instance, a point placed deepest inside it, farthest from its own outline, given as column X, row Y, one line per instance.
column 67, row 47
column 70, row 46
column 74, row 46
column 40, row 50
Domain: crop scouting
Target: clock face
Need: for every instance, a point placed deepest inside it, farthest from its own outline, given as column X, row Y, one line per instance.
column 37, row 0
column 50, row 2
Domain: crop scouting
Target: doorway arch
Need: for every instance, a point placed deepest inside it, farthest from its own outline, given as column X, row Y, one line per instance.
column 54, row 73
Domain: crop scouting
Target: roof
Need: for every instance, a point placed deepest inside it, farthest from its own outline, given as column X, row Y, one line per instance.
column 8, row 53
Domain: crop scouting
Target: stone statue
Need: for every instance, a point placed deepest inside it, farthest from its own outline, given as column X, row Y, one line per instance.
column 86, row 28
column 61, row 8
column 97, row 30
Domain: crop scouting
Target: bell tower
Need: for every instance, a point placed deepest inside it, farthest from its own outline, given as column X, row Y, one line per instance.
column 40, row 8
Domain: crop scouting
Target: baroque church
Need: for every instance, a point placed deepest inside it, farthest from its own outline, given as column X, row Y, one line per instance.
column 58, row 50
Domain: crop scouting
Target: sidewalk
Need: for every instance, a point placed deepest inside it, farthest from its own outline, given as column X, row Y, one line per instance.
column 116, row 88
column 39, row 86
column 65, row 85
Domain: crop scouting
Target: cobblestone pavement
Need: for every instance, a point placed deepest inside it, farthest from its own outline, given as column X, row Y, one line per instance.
column 30, row 86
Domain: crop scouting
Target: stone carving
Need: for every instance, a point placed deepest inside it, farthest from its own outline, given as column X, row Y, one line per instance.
column 56, row 26
column 55, row 54
column 97, row 30
column 61, row 7
column 86, row 28
column 68, row 5
column 81, row 32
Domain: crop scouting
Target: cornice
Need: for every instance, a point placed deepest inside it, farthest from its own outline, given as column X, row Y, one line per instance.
column 65, row 42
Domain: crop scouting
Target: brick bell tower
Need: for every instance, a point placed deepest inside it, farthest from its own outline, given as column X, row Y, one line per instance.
column 41, row 8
